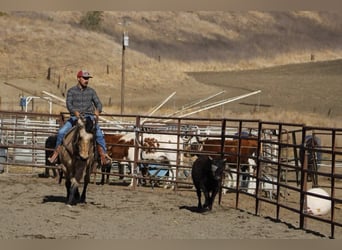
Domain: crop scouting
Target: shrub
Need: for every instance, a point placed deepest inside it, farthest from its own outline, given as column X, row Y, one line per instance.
column 92, row 20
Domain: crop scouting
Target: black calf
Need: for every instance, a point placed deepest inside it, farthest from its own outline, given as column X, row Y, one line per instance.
column 207, row 175
column 50, row 144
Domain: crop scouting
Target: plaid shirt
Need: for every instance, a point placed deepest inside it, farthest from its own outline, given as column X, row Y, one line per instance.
column 82, row 100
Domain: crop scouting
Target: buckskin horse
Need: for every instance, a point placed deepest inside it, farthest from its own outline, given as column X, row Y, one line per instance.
column 77, row 158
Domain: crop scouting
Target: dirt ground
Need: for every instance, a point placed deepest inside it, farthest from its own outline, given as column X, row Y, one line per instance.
column 34, row 208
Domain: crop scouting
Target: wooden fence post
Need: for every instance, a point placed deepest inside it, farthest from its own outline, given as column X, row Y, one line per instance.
column 49, row 74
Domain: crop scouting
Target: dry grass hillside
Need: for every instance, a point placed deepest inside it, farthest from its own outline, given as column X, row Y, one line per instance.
column 233, row 51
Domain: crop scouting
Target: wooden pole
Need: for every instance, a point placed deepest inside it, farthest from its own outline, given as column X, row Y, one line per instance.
column 123, row 77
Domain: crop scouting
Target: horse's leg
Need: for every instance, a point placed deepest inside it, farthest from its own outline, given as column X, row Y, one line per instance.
column 108, row 168
column 67, row 186
column 77, row 195
column 60, row 172
column 54, row 172
column 74, row 193
column 85, row 185
column 103, row 169
column 83, row 196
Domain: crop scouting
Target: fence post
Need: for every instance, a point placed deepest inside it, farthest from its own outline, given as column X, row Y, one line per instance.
column 175, row 184
column 223, row 139
column 303, row 186
column 49, row 74
column 258, row 171
column 136, row 152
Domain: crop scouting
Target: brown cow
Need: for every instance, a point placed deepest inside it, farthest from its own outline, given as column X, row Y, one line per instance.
column 121, row 147
column 157, row 148
column 248, row 146
column 117, row 153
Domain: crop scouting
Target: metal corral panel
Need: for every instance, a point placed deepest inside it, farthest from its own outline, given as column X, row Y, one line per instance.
column 25, row 138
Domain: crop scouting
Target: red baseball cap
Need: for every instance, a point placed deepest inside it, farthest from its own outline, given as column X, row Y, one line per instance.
column 83, row 73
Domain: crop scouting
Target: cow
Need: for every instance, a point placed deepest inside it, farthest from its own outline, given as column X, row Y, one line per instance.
column 248, row 146
column 157, row 148
column 153, row 148
column 115, row 153
column 50, row 144
column 207, row 175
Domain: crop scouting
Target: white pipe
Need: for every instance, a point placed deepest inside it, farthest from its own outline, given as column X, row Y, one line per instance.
column 203, row 100
column 215, row 104
column 159, row 106
column 54, row 96
column 186, row 107
column 222, row 103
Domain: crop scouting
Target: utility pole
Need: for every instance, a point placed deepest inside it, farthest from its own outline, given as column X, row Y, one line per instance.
column 124, row 45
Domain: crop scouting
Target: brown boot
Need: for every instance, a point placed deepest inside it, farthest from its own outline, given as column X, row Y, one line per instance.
column 54, row 156
column 105, row 158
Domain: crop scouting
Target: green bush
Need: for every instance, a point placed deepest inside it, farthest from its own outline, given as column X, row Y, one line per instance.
column 92, row 20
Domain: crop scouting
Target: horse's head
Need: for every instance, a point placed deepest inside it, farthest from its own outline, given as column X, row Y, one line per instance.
column 85, row 137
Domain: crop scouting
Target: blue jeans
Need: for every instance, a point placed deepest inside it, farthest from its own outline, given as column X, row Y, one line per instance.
column 69, row 124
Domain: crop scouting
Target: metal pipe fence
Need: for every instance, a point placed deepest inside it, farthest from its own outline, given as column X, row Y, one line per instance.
column 279, row 181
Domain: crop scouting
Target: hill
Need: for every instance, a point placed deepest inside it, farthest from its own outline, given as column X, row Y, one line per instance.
column 163, row 48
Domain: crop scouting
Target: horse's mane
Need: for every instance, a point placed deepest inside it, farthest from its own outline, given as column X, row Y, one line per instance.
column 71, row 137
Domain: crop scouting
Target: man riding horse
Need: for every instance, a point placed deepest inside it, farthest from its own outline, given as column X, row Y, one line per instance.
column 82, row 99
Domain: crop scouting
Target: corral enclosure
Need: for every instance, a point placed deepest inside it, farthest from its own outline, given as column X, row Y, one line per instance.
column 275, row 184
